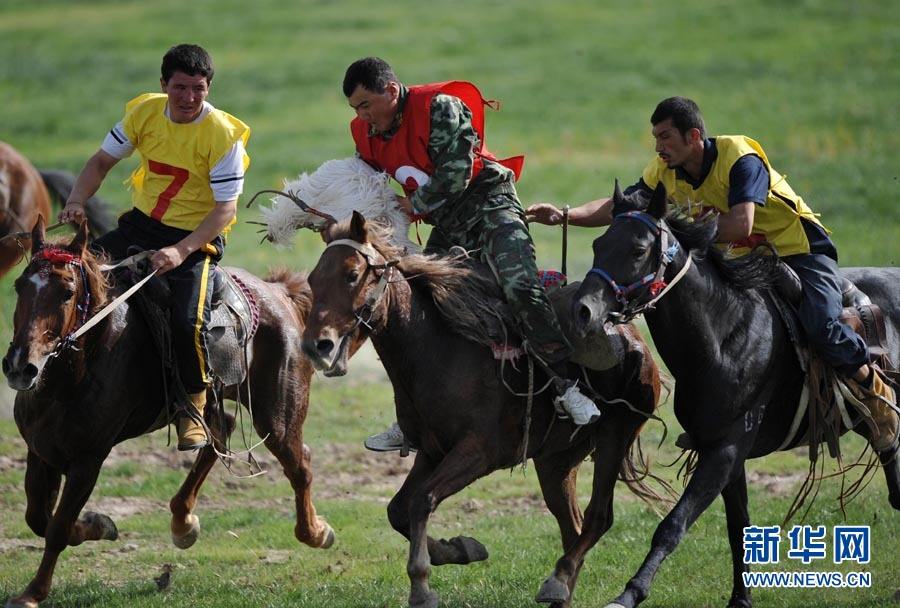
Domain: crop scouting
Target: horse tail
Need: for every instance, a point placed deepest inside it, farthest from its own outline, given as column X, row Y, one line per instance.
column 635, row 473
column 296, row 288
column 100, row 217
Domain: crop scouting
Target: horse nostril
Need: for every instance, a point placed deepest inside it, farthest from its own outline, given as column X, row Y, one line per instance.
column 324, row 347
column 30, row 371
column 585, row 315
column 6, row 366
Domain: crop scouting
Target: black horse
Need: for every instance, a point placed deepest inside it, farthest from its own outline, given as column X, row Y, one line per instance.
column 738, row 380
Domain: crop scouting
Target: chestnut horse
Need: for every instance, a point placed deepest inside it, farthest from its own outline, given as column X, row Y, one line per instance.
column 23, row 197
column 75, row 404
column 452, row 404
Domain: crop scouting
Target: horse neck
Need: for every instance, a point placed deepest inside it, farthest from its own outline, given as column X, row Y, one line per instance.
column 691, row 321
column 410, row 320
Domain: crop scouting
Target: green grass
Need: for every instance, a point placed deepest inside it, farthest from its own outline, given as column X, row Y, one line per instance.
column 816, row 81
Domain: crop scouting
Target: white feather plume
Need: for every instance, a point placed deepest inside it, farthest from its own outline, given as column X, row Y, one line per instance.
column 338, row 187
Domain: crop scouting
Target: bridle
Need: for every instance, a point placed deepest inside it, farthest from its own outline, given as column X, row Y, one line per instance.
column 50, row 256
column 654, row 282
column 366, row 311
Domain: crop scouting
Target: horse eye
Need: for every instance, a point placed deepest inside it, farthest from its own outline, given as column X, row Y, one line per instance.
column 68, row 294
column 352, row 276
column 640, row 252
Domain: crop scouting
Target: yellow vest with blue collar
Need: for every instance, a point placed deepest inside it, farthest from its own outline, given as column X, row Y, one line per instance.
column 172, row 183
column 778, row 221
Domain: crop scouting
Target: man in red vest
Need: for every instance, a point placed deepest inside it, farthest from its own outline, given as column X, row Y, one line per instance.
column 430, row 138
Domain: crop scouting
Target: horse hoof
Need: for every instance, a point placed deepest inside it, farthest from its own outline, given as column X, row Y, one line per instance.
column 107, row 526
column 471, row 548
column 329, row 538
column 614, row 605
column 18, row 602
column 186, row 540
column 427, row 600
column 552, row 591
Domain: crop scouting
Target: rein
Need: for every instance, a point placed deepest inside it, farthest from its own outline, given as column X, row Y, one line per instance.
column 655, row 282
column 50, row 255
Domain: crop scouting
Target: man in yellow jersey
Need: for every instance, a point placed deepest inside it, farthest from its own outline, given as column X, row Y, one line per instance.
column 732, row 176
column 185, row 195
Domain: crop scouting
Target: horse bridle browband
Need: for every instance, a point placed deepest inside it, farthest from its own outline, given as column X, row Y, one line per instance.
column 655, row 282
column 49, row 256
column 364, row 313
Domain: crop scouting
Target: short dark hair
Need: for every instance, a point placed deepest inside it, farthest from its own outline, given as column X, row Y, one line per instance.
column 373, row 73
column 685, row 115
column 191, row 59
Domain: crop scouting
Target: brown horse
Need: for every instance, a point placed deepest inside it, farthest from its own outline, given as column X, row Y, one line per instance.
column 75, row 404
column 26, row 193
column 452, row 405
column 23, row 197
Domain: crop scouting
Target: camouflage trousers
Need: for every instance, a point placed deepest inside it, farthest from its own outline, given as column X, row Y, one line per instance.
column 498, row 235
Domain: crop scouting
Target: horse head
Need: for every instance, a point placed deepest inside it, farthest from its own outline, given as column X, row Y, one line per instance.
column 629, row 262
column 54, row 296
column 348, row 285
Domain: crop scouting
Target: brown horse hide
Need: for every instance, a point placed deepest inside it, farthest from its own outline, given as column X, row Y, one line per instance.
column 23, row 197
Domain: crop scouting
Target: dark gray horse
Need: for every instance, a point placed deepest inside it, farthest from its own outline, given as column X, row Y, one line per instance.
column 738, row 381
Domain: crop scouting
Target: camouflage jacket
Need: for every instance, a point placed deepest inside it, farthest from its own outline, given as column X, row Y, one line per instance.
column 451, row 146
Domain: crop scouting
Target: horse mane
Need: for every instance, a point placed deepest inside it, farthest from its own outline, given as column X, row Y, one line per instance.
column 463, row 290
column 296, row 287
column 756, row 270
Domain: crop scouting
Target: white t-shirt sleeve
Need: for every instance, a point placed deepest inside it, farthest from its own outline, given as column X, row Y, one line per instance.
column 117, row 143
column 226, row 178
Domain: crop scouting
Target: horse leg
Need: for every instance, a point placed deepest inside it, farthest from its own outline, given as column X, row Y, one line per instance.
column 284, row 438
column 612, row 444
column 557, row 475
column 65, row 529
column 458, row 550
column 714, row 468
column 41, row 490
column 735, row 496
column 461, row 466
column 185, row 525
column 890, row 462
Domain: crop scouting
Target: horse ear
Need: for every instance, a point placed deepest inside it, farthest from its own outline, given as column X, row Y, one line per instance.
column 618, row 197
column 37, row 235
column 659, row 203
column 79, row 243
column 358, row 231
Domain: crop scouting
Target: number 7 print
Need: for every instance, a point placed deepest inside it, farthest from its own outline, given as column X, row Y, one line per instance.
column 165, row 198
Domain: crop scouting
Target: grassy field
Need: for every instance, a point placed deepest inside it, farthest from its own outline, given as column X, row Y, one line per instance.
column 815, row 81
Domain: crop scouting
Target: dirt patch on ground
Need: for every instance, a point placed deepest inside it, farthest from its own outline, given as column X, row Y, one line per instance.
column 776, row 484
column 120, row 507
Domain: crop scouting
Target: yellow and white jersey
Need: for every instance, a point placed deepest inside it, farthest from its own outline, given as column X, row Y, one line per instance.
column 184, row 168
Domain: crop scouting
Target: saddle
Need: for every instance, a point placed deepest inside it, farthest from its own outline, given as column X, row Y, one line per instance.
column 234, row 319
column 233, row 322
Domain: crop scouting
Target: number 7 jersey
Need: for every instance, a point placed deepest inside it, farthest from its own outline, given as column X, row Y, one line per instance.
column 172, row 184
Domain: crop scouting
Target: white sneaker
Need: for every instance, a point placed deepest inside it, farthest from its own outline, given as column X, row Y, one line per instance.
column 387, row 441
column 579, row 408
